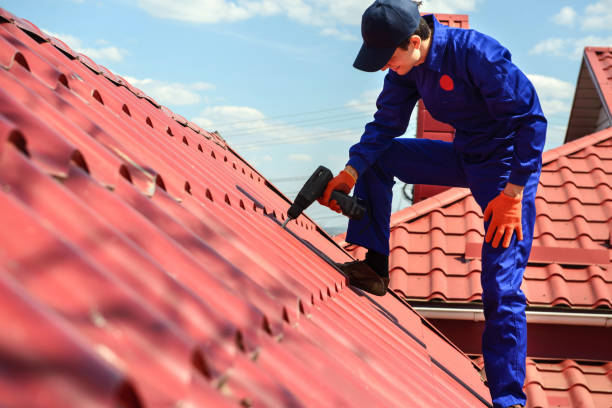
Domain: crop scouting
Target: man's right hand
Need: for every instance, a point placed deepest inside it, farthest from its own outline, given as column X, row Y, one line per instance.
column 344, row 182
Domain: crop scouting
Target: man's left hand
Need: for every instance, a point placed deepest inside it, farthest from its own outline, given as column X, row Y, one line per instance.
column 344, row 182
column 505, row 212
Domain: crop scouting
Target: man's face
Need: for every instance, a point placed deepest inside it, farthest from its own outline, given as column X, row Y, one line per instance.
column 403, row 60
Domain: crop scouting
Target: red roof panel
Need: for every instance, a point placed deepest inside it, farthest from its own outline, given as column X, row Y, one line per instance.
column 150, row 258
column 64, row 368
column 568, row 384
column 440, row 238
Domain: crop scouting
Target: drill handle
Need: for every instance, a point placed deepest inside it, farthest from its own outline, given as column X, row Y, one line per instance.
column 351, row 206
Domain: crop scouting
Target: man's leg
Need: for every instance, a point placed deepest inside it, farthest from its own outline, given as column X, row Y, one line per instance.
column 504, row 342
column 413, row 161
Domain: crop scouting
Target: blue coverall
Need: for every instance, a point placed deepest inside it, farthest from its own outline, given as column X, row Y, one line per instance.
column 468, row 81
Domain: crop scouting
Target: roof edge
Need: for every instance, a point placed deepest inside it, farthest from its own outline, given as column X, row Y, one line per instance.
column 595, row 75
column 533, row 316
column 576, row 145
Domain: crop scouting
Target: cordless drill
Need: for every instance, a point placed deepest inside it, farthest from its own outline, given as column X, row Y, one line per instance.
column 351, row 206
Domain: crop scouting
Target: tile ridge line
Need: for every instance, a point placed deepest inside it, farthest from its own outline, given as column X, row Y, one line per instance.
column 574, row 146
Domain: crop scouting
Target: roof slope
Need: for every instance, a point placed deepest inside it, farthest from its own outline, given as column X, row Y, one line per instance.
column 592, row 106
column 567, row 383
column 142, row 264
column 435, row 244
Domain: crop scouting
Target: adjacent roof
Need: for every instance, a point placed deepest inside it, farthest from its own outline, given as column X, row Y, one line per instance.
column 142, row 263
column 592, row 107
column 568, row 383
column 435, row 244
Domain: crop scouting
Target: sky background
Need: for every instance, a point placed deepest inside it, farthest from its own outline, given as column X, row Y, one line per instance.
column 275, row 77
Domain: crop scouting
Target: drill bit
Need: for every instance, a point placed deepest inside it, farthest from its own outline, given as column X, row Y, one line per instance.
column 286, row 221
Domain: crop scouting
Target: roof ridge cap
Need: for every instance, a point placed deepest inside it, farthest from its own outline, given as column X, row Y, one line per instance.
column 576, row 145
column 597, row 48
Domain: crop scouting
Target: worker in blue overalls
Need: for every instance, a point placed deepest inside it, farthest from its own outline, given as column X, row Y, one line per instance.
column 465, row 79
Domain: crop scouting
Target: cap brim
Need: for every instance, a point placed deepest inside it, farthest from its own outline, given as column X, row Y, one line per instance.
column 372, row 59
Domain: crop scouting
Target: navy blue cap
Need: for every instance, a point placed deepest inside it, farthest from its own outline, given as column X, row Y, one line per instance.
column 384, row 25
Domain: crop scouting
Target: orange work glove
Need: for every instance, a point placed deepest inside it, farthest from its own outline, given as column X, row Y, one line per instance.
column 343, row 182
column 506, row 214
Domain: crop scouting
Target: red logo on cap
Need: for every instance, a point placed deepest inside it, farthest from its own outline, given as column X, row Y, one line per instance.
column 447, row 83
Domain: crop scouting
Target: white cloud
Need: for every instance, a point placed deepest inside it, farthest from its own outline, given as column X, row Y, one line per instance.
column 572, row 48
column 104, row 53
column 555, row 95
column 550, row 46
column 70, row 40
column 325, row 14
column 300, row 157
column 566, row 16
column 235, row 118
column 366, row 102
column 556, row 98
column 552, row 87
column 308, row 12
column 334, row 32
column 320, row 13
column 598, row 15
column 171, row 93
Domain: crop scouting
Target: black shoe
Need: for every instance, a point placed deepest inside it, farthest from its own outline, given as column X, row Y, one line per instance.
column 365, row 278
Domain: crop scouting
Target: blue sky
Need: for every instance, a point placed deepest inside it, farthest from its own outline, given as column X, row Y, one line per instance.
column 275, row 77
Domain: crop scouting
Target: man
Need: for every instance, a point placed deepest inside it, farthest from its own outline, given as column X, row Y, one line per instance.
column 465, row 79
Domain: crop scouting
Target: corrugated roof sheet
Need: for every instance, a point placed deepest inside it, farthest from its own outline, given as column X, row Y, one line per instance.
column 435, row 244
column 142, row 263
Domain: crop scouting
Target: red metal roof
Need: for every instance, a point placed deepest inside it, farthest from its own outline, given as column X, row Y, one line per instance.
column 600, row 61
column 592, row 106
column 143, row 264
column 435, row 244
column 568, row 383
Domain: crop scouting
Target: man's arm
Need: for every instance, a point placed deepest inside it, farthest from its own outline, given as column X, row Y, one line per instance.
column 395, row 104
column 511, row 98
